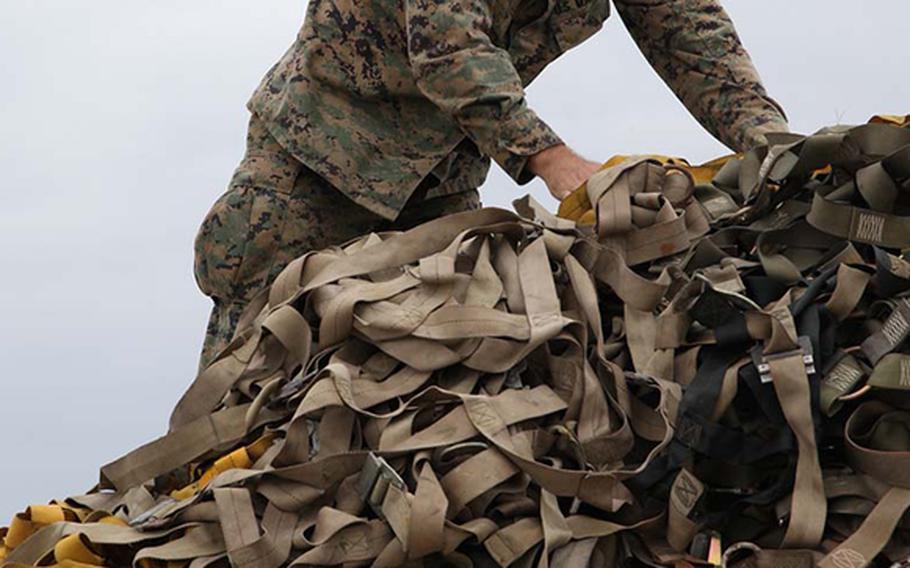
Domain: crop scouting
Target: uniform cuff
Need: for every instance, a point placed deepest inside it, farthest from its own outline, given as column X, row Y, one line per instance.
column 521, row 136
column 754, row 129
column 755, row 135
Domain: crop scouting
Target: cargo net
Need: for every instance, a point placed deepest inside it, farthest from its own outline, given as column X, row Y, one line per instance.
column 690, row 366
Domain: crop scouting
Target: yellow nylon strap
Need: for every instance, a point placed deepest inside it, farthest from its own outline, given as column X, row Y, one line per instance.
column 241, row 458
column 577, row 207
column 34, row 518
column 894, row 119
column 77, row 548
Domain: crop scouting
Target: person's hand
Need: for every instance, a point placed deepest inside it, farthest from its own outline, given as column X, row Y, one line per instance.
column 561, row 169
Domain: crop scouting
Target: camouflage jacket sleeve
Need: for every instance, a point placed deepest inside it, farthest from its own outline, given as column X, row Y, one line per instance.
column 693, row 46
column 457, row 66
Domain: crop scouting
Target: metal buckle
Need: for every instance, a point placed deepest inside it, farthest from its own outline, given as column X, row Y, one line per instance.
column 374, row 481
column 153, row 512
column 761, row 359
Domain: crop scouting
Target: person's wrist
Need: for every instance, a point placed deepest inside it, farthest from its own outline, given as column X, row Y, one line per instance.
column 540, row 163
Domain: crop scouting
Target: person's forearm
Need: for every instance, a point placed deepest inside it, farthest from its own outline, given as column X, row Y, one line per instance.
column 694, row 47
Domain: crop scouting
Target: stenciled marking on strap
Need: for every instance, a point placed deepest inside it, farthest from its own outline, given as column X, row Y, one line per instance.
column 891, row 334
column 483, row 414
column 897, row 326
column 847, row 558
column 688, row 431
column 357, row 544
column 869, row 227
column 843, row 377
column 686, row 492
column 905, row 372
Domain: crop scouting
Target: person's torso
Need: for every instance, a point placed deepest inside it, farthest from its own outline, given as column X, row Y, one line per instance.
column 344, row 101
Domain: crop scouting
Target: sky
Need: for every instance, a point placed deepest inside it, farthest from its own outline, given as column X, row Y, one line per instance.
column 121, row 122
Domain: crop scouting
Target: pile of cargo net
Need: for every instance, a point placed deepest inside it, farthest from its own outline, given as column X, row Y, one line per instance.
column 689, row 366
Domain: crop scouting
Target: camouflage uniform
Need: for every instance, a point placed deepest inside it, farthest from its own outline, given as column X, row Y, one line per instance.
column 275, row 210
column 401, row 104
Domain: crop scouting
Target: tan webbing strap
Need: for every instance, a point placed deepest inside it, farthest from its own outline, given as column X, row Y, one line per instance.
column 204, row 540
column 239, row 526
column 43, row 542
column 684, row 494
column 508, row 544
column 807, row 516
column 630, row 195
column 172, row 450
column 38, row 546
column 407, row 247
column 357, row 543
column 543, row 309
column 891, row 372
column 791, row 383
column 840, row 381
column 865, row 544
column 490, row 388
column 293, row 331
column 474, row 477
column 576, row 554
column 635, row 291
column 556, row 530
column 893, row 332
column 757, row 558
column 891, row 465
column 600, row 489
column 213, row 383
column 858, row 224
column 338, row 320
column 428, row 515
column 851, row 285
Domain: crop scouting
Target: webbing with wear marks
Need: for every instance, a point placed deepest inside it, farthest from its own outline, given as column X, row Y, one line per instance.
column 692, row 366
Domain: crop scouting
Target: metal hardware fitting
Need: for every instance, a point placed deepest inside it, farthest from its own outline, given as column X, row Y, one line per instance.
column 374, row 481
column 761, row 360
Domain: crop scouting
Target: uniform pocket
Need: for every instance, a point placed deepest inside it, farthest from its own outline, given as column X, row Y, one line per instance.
column 220, row 242
column 264, row 238
column 238, row 241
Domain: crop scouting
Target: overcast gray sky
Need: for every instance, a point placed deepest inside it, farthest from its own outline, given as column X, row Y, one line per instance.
column 121, row 122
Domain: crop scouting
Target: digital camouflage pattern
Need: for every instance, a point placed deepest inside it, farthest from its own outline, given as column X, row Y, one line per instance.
column 378, row 96
column 274, row 211
column 693, row 46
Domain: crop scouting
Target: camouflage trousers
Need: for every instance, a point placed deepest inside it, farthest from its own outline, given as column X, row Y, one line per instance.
column 275, row 210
